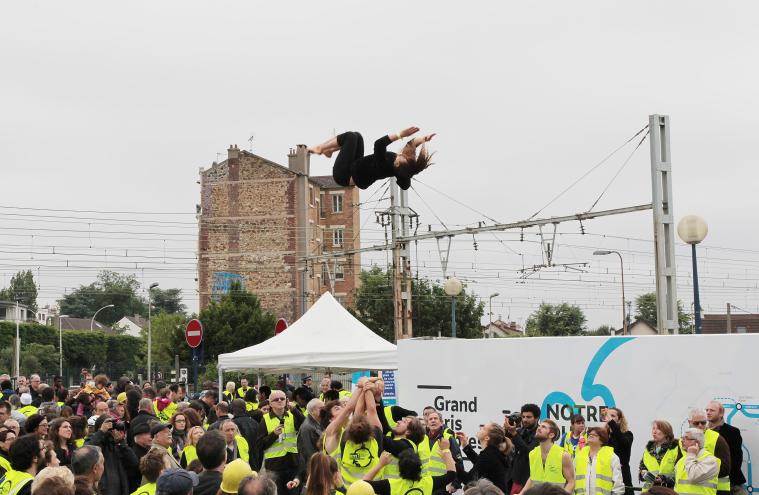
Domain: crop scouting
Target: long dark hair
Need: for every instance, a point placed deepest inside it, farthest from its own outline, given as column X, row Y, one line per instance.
column 498, row 439
column 55, row 426
column 415, row 163
column 321, row 471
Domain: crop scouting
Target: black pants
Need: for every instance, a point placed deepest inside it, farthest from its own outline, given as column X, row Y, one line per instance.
column 351, row 149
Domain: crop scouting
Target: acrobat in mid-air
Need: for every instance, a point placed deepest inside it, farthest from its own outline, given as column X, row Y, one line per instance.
column 351, row 166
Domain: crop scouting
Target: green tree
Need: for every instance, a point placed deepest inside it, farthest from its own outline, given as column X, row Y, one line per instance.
column 168, row 301
column 234, row 322
column 645, row 309
column 35, row 358
column 554, row 320
column 373, row 306
column 168, row 339
column 109, row 288
column 602, row 330
column 22, row 289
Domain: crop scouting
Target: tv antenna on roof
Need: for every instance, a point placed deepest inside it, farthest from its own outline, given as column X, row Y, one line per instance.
column 250, row 140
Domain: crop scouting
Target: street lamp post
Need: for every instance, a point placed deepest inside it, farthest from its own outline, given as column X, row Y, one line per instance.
column 92, row 321
column 60, row 344
column 603, row 252
column 692, row 229
column 490, row 300
column 453, row 288
column 150, row 331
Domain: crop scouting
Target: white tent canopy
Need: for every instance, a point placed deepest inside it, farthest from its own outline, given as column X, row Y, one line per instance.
column 327, row 336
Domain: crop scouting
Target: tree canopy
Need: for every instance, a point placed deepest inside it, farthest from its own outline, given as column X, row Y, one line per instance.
column 645, row 309
column 555, row 320
column 22, row 289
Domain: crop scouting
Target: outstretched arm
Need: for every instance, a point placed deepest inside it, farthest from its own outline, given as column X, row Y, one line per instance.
column 371, row 408
column 333, row 429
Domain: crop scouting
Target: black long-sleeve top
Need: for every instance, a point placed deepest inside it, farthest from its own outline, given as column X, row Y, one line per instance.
column 732, row 436
column 397, row 412
column 490, row 464
column 524, row 441
column 382, row 487
column 264, row 440
column 379, row 165
column 622, row 444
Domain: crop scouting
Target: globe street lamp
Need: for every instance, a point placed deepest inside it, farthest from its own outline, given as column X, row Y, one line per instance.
column 452, row 287
column 604, row 252
column 692, row 229
column 490, row 300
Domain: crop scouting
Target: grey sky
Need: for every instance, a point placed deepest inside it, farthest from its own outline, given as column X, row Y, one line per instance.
column 114, row 108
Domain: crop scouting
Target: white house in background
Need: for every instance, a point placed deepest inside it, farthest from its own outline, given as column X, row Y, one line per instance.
column 500, row 328
column 638, row 327
column 46, row 313
column 10, row 312
column 132, row 325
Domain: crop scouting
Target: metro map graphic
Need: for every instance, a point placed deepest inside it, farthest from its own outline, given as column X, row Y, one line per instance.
column 750, row 411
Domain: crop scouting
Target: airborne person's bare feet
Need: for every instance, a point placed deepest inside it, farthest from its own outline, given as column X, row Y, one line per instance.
column 326, row 148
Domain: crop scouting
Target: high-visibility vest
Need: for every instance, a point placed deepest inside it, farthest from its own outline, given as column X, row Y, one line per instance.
column 228, row 395
column 553, row 469
column 389, row 416
column 391, row 471
column 344, row 393
column 710, row 443
column 60, row 404
column 189, row 454
column 407, row 487
column 5, row 465
column 28, row 410
column 165, row 415
column 357, row 459
column 666, row 467
column 569, row 448
column 241, row 391
column 243, row 450
column 604, row 476
column 79, row 443
column 146, row 489
column 685, row 487
column 251, row 406
column 14, row 481
column 435, row 465
column 287, row 442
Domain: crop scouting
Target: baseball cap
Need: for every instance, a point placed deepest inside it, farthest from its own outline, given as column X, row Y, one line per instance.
column 176, row 482
column 26, row 398
column 140, row 428
column 234, row 472
column 360, row 487
column 156, row 429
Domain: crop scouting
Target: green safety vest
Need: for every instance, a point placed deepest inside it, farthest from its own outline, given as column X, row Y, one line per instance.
column 665, row 467
column 189, row 454
column 357, row 459
column 146, row 489
column 287, row 443
column 685, row 487
column 431, row 458
column 604, row 477
column 710, row 443
column 571, row 449
column 553, row 470
column 391, row 471
column 28, row 410
column 389, row 416
column 14, row 481
column 407, row 487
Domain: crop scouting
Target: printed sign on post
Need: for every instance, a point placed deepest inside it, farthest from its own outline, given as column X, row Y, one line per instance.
column 389, row 395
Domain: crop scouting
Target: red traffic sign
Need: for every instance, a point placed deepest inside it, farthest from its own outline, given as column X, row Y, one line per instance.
column 193, row 333
column 280, row 326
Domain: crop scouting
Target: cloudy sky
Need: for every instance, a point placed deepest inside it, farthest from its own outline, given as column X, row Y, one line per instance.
column 108, row 110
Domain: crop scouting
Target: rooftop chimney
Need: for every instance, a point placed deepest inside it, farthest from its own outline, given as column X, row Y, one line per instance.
column 299, row 161
column 233, row 151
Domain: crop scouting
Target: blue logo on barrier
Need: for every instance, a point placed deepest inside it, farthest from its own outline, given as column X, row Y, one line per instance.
column 589, row 390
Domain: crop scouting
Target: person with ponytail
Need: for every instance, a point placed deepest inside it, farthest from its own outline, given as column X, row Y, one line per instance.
column 324, row 476
column 491, row 463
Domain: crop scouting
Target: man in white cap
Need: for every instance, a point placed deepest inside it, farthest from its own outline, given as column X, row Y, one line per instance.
column 27, row 409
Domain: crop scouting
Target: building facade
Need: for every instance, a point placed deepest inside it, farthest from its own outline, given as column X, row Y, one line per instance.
column 258, row 221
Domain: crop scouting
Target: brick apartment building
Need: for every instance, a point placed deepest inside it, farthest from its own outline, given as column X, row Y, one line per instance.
column 257, row 219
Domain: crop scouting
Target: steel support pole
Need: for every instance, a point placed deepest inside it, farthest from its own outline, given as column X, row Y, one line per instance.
column 453, row 316
column 696, row 299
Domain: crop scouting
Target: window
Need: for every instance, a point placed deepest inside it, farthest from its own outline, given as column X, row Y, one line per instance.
column 339, row 274
column 337, row 203
column 337, row 237
column 322, row 212
column 740, row 329
column 325, row 274
column 341, row 300
column 311, row 195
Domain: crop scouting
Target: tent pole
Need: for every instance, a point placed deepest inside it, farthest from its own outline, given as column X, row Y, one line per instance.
column 221, row 378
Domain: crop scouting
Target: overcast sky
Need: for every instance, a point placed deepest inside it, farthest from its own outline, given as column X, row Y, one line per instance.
column 114, row 108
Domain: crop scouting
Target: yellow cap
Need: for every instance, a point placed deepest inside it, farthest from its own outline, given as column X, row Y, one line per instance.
column 121, row 397
column 360, row 487
column 234, row 472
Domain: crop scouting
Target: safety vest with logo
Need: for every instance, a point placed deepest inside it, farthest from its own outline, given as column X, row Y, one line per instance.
column 571, row 449
column 710, row 443
column 389, row 417
column 604, row 476
column 685, row 487
column 28, row 410
column 435, row 465
column 165, row 415
column 287, row 442
column 391, row 471
column 665, row 467
column 146, row 489
column 550, row 472
column 407, row 487
column 14, row 481
column 243, row 450
column 357, row 459
column 189, row 454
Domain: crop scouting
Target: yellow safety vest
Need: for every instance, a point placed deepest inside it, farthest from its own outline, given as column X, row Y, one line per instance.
column 571, row 449
column 407, row 487
column 357, row 459
column 391, row 471
column 685, row 487
column 665, row 467
column 344, row 393
column 710, row 443
column 243, row 450
column 14, row 481
column 251, row 406
column 432, row 461
column 553, row 470
column 5, row 465
column 389, row 416
column 189, row 454
column 287, row 442
column 28, row 410
column 165, row 415
column 228, row 395
column 241, row 391
column 79, row 442
column 604, row 476
column 146, row 489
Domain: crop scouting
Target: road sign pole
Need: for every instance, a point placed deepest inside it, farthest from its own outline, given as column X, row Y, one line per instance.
column 195, row 370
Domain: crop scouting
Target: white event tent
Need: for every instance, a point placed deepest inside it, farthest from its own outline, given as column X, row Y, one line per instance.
column 327, row 336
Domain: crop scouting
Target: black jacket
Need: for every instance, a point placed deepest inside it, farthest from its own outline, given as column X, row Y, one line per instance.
column 143, row 417
column 524, row 441
column 622, row 444
column 120, row 461
column 732, row 436
column 249, row 431
column 208, row 484
column 490, row 464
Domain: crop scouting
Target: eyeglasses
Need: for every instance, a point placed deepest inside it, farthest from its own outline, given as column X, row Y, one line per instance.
column 698, row 423
column 278, row 399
